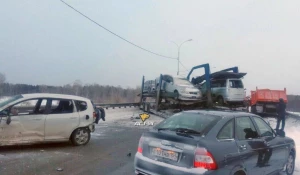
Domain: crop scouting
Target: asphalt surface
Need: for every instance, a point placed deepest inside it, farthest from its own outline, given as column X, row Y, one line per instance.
column 105, row 154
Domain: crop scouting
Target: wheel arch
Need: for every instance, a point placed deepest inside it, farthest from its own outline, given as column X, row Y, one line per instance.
column 239, row 170
column 293, row 151
column 86, row 127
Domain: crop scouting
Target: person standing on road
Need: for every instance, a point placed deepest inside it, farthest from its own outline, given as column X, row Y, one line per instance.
column 281, row 114
column 102, row 116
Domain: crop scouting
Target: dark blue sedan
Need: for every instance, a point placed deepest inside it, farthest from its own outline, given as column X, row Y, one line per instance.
column 203, row 142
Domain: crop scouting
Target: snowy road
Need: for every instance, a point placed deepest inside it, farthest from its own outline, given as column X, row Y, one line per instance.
column 105, row 154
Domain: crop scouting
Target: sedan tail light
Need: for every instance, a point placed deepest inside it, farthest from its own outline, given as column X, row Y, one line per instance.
column 204, row 159
column 140, row 147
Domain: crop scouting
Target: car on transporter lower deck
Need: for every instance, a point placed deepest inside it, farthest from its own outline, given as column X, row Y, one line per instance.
column 210, row 142
column 43, row 117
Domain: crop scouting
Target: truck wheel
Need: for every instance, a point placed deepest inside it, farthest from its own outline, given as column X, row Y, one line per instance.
column 220, row 101
column 81, row 136
column 253, row 109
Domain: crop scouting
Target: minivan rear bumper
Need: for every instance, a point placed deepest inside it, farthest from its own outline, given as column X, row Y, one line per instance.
column 92, row 127
column 147, row 166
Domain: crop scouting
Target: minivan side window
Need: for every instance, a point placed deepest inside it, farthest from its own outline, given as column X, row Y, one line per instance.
column 227, row 132
column 29, row 107
column 236, row 84
column 81, row 105
column 245, row 129
column 61, row 106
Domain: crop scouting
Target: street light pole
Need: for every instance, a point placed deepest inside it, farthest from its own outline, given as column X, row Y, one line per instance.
column 178, row 54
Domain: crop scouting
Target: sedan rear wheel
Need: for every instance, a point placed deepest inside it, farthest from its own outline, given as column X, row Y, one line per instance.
column 290, row 166
column 81, row 136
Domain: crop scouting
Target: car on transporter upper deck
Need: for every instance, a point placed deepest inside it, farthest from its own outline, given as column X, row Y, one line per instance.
column 210, row 142
column 43, row 117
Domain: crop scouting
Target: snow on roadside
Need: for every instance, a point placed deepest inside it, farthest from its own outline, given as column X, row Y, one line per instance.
column 127, row 117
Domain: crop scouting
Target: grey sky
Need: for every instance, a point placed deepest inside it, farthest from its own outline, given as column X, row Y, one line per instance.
column 45, row 42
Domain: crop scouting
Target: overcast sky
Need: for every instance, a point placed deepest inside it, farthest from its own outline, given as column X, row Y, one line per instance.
column 46, row 42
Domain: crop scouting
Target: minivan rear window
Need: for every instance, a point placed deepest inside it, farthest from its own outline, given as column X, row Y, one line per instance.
column 81, row 105
column 189, row 120
column 236, row 84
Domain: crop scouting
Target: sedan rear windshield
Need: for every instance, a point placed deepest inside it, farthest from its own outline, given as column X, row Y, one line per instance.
column 9, row 100
column 189, row 120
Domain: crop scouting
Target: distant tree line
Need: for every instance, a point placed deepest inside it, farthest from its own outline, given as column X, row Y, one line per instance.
column 97, row 93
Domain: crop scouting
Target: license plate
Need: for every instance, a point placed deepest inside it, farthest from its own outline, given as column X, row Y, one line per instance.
column 165, row 154
column 193, row 96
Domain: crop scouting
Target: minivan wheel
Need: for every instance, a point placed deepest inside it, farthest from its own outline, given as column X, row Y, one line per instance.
column 81, row 136
column 290, row 165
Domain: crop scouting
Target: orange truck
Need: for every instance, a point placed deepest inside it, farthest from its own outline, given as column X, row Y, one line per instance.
column 264, row 101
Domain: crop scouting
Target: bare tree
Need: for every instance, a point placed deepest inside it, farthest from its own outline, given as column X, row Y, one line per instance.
column 43, row 88
column 77, row 86
column 2, row 78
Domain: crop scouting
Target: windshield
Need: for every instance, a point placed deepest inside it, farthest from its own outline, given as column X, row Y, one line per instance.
column 182, row 81
column 9, row 100
column 193, row 121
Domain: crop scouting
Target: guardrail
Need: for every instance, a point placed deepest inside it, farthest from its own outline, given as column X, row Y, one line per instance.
column 117, row 105
column 295, row 116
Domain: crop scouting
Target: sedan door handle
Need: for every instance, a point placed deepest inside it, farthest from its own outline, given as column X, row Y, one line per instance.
column 37, row 119
column 73, row 118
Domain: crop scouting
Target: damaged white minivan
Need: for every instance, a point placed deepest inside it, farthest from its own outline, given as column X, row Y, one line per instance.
column 43, row 117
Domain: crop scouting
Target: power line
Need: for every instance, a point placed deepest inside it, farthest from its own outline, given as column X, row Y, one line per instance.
column 115, row 33
column 183, row 66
